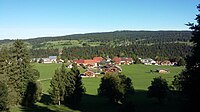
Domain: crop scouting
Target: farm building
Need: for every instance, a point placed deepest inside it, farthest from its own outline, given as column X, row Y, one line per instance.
column 120, row 61
column 166, row 62
column 162, row 71
column 98, row 59
column 50, row 59
column 88, row 73
column 90, row 63
column 148, row 61
column 112, row 69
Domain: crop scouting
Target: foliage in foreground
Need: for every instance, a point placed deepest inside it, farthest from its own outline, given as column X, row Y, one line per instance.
column 17, row 73
column 189, row 80
column 66, row 87
column 75, row 99
column 115, row 87
column 58, row 85
column 3, row 96
column 158, row 89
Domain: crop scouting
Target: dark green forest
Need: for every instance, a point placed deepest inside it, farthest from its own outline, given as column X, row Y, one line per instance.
column 162, row 51
column 153, row 44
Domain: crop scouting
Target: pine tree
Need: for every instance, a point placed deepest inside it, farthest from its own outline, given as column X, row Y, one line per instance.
column 3, row 76
column 33, row 89
column 66, row 87
column 3, row 97
column 32, row 94
column 69, row 87
column 79, row 89
column 13, row 84
column 57, row 90
column 180, row 61
column 19, row 73
column 4, row 63
column 189, row 80
column 62, row 86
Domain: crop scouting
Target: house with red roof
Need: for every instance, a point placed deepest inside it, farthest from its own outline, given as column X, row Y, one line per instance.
column 98, row 59
column 117, row 60
column 120, row 61
column 78, row 62
column 89, row 62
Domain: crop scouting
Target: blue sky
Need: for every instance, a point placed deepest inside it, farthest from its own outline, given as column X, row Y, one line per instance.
column 37, row 18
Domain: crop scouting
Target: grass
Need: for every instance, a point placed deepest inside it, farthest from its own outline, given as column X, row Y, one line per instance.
column 67, row 43
column 141, row 77
column 91, row 85
column 46, row 70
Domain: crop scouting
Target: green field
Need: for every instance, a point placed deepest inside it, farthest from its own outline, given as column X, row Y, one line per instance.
column 67, row 43
column 46, row 70
column 141, row 78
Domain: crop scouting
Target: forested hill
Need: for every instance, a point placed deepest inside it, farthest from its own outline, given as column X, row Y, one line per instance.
column 161, row 36
column 140, row 43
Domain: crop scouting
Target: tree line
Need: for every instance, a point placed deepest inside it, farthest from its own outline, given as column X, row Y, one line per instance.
column 140, row 43
column 163, row 44
column 162, row 36
column 164, row 51
column 149, row 36
column 156, row 51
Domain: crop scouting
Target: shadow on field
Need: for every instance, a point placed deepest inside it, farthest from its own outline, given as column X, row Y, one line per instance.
column 45, row 99
column 95, row 103
column 35, row 108
column 173, row 103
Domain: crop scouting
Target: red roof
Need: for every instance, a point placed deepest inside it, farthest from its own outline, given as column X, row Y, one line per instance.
column 98, row 59
column 127, row 59
column 117, row 60
column 90, row 61
column 79, row 61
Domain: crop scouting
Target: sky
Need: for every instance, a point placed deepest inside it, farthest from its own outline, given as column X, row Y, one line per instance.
column 22, row 19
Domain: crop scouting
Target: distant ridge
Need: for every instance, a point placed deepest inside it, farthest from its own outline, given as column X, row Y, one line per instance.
column 118, row 34
column 103, row 32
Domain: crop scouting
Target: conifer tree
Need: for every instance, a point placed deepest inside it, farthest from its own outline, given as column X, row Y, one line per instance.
column 3, row 76
column 79, row 89
column 33, row 90
column 189, row 80
column 57, row 90
column 3, row 97
column 66, row 87
column 19, row 72
column 69, row 87
column 32, row 94
column 4, row 63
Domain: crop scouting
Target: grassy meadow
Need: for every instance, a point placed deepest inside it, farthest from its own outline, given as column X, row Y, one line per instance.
column 141, row 78
column 66, row 43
